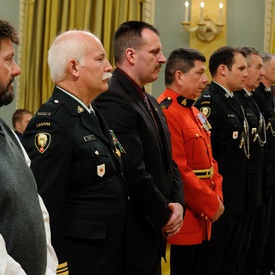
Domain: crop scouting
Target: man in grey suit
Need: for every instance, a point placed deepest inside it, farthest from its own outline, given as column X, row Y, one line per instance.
column 24, row 223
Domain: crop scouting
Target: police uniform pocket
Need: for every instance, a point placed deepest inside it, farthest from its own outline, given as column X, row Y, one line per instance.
column 95, row 167
column 194, row 144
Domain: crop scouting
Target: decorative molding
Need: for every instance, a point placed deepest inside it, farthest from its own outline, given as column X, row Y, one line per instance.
column 268, row 24
column 22, row 5
column 148, row 15
column 148, row 11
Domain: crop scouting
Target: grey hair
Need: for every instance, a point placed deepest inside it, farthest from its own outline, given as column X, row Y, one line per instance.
column 65, row 47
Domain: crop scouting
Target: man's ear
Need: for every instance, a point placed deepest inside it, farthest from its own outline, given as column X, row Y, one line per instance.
column 130, row 55
column 73, row 67
column 222, row 69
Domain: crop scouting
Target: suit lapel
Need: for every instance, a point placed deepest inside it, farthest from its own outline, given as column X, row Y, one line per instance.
column 232, row 102
column 131, row 89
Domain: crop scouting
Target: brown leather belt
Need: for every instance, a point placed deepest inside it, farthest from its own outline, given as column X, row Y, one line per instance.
column 204, row 173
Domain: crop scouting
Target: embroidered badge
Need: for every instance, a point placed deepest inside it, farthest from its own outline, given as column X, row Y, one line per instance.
column 235, row 134
column 42, row 142
column 206, row 111
column 101, row 170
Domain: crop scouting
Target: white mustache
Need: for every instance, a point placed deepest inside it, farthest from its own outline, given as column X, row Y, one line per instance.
column 107, row 76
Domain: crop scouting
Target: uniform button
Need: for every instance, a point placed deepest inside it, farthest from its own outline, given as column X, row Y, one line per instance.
column 56, row 101
column 128, row 198
column 202, row 214
column 97, row 153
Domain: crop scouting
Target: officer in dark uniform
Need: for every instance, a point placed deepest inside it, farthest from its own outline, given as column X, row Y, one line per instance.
column 229, row 136
column 76, row 161
column 263, row 97
column 252, row 221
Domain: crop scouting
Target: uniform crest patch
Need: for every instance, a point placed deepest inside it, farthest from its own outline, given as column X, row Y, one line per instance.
column 101, row 170
column 206, row 111
column 42, row 142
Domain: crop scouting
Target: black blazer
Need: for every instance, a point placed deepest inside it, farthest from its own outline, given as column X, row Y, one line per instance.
column 256, row 163
column 80, row 179
column 226, row 118
column 152, row 176
column 266, row 104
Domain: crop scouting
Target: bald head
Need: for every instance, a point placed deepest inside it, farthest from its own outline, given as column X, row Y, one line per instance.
column 73, row 44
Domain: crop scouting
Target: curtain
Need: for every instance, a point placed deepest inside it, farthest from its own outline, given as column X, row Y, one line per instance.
column 272, row 38
column 42, row 20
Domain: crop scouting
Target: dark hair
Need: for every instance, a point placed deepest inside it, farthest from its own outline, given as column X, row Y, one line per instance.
column 224, row 55
column 183, row 60
column 129, row 35
column 18, row 115
column 7, row 31
column 247, row 52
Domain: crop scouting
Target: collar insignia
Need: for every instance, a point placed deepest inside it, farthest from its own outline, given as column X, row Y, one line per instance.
column 80, row 109
column 185, row 102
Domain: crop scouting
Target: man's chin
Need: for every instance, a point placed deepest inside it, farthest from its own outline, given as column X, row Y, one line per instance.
column 6, row 100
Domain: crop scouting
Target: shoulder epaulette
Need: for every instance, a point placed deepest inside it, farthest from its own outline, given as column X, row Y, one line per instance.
column 49, row 108
column 165, row 103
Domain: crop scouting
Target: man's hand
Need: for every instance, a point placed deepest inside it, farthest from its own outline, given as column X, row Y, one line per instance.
column 175, row 222
column 219, row 212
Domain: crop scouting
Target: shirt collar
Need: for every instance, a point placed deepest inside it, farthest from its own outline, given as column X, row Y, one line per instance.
column 230, row 94
column 88, row 108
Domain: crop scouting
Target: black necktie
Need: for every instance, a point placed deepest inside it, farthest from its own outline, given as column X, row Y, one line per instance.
column 93, row 114
column 147, row 104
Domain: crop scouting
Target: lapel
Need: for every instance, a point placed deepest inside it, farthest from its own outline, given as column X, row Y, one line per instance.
column 232, row 102
column 76, row 110
column 160, row 134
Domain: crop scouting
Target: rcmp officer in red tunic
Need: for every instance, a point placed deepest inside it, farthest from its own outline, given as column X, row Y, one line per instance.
column 76, row 161
column 185, row 79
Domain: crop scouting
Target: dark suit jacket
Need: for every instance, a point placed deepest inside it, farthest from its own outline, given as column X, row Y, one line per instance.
column 152, row 176
column 256, row 161
column 226, row 118
column 265, row 102
column 80, row 179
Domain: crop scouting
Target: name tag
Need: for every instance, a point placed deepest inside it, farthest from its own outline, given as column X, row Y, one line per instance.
column 89, row 138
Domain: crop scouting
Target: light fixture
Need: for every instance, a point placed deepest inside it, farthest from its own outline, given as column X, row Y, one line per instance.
column 206, row 29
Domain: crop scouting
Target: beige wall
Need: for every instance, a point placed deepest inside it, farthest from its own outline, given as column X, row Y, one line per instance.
column 244, row 26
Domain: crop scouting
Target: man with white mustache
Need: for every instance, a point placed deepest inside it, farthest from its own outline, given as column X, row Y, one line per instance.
column 78, row 164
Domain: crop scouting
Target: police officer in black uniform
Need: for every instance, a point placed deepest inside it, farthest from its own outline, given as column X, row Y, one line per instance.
column 253, row 227
column 263, row 97
column 76, row 161
column 229, row 136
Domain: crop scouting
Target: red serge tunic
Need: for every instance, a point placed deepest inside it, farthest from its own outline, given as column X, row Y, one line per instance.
column 192, row 151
